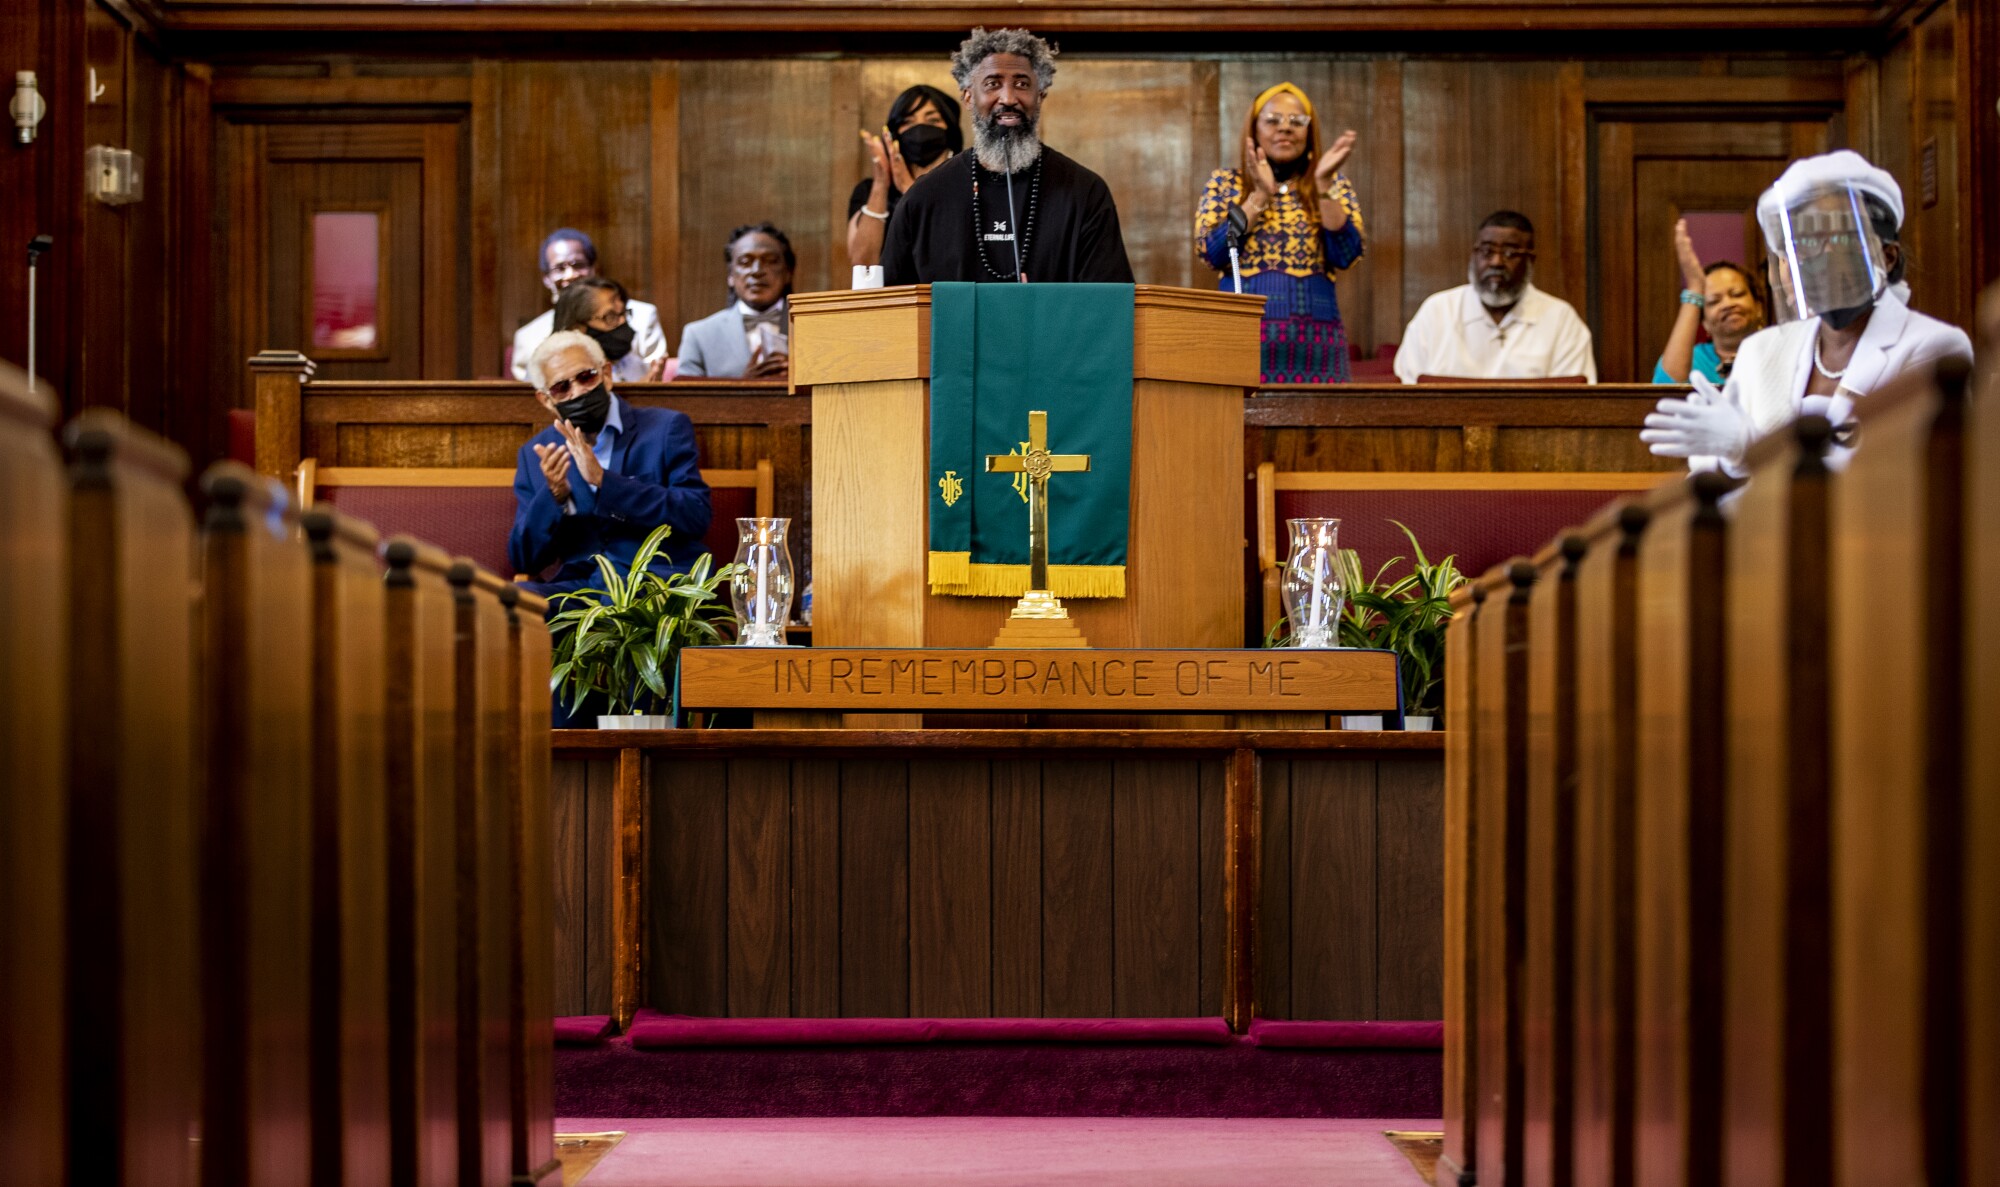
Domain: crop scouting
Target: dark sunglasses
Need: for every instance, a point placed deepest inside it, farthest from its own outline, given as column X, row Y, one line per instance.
column 582, row 380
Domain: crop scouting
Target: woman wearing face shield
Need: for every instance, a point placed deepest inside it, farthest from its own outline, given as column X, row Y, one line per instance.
column 1831, row 226
column 922, row 133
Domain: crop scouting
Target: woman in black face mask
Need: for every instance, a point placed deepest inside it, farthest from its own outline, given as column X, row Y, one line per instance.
column 922, row 133
column 595, row 306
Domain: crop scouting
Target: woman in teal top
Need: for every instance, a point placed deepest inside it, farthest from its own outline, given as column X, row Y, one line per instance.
column 1722, row 298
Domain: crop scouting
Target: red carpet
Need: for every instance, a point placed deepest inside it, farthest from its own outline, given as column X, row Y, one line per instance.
column 1232, row 1078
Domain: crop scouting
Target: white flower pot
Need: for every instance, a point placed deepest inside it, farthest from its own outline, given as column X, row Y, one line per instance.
column 634, row 721
column 1365, row 721
column 1420, row 723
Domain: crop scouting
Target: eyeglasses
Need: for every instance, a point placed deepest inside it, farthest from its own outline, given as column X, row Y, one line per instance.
column 582, row 381
column 1274, row 120
column 1507, row 255
column 1809, row 247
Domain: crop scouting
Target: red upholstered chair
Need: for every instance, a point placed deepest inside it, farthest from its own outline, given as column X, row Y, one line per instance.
column 734, row 495
column 1482, row 518
column 470, row 512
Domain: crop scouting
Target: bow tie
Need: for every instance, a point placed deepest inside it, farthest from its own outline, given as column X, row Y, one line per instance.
column 773, row 317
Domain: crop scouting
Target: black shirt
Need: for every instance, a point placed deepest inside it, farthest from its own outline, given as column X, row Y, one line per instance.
column 1070, row 223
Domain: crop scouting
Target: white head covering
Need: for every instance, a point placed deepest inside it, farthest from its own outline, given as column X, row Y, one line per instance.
column 1833, row 170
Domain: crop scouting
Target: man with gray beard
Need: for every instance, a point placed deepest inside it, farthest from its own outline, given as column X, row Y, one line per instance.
column 1009, row 208
column 1497, row 325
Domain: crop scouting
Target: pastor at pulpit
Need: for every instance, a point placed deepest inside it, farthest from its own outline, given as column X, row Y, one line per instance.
column 1010, row 208
column 602, row 477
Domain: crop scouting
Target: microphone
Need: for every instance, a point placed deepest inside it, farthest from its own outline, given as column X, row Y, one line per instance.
column 1239, row 226
column 1014, row 221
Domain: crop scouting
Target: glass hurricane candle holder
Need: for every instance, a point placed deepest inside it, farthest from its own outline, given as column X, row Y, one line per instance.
column 761, row 591
column 1312, row 588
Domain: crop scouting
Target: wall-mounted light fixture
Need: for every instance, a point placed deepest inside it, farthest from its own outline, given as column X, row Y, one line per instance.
column 26, row 108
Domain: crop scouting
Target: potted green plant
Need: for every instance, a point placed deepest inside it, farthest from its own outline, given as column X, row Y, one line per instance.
column 621, row 641
column 1406, row 615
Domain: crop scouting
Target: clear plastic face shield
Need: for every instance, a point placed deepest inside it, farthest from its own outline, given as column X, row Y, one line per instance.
column 1824, row 255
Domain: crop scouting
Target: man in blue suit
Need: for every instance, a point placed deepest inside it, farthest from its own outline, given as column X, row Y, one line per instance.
column 602, row 477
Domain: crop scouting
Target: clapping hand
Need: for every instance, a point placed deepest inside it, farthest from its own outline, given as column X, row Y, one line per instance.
column 1706, row 424
column 885, row 156
column 554, row 461
column 587, row 466
column 1332, row 159
column 1692, row 276
column 1261, row 177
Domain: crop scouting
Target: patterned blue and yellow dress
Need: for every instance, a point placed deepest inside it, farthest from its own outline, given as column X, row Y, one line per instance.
column 1289, row 258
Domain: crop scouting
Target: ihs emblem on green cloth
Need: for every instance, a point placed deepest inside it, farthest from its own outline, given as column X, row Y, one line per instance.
column 952, row 486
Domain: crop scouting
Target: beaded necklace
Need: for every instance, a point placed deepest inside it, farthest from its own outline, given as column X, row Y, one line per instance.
column 1023, row 233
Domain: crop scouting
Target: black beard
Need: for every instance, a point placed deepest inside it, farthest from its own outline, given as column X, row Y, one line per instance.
column 1004, row 149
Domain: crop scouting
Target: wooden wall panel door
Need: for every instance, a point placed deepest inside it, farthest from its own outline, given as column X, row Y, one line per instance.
column 278, row 174
column 1648, row 175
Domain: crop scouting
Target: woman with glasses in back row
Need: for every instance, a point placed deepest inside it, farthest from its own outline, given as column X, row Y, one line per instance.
column 1295, row 221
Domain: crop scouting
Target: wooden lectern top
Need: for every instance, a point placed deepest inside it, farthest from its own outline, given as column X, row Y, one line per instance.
column 866, row 335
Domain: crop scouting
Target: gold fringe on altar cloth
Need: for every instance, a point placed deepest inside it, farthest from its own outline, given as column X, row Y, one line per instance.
column 954, row 574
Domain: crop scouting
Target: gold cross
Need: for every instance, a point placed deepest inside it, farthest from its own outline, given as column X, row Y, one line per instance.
column 1038, row 463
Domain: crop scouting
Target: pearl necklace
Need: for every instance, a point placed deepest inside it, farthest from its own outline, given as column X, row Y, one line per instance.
column 1022, row 233
column 1821, row 367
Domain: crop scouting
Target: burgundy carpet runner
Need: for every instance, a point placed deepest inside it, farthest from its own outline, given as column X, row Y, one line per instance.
column 677, row 1066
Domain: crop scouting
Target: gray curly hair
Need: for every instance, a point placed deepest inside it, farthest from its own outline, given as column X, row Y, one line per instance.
column 984, row 43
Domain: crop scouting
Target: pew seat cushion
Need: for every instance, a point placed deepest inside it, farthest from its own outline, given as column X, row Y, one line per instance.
column 583, row 1030
column 655, row 1030
column 1271, row 1032
column 1482, row 528
column 471, row 521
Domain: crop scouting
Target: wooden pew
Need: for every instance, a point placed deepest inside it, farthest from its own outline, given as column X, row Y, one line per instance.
column 1458, row 1161
column 34, row 699
column 1898, row 805
column 1548, row 1047
column 1606, row 693
column 1677, row 872
column 1981, row 1100
column 255, row 821
column 480, row 797
column 135, row 1046
column 1777, row 1031
column 1498, row 826
column 350, row 866
column 530, row 894
column 419, row 732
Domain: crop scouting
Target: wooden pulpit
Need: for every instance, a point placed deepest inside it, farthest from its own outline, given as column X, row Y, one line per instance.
column 864, row 357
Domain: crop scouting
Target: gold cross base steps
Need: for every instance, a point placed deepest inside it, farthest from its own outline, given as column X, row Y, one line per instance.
column 1039, row 620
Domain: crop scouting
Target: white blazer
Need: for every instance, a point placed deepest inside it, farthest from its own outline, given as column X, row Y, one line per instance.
column 649, row 342
column 1773, row 366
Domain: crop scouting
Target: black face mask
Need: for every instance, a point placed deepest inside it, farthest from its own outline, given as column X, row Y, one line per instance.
column 921, row 144
column 616, row 343
column 587, row 412
column 1840, row 319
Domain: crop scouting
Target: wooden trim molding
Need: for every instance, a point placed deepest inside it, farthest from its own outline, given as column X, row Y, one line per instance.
column 1446, row 480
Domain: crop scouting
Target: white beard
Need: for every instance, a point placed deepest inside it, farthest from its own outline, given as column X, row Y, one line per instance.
column 1503, row 299
column 1001, row 153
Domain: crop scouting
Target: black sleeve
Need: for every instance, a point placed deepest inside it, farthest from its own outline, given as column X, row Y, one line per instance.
column 899, row 246
column 1103, row 260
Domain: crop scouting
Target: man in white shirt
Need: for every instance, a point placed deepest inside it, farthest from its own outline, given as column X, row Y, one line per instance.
column 567, row 256
column 1498, row 325
column 750, row 339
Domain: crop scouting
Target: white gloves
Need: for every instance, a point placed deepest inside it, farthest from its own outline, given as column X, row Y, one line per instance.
column 1706, row 424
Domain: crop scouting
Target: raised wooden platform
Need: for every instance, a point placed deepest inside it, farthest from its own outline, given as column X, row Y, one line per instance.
column 951, row 873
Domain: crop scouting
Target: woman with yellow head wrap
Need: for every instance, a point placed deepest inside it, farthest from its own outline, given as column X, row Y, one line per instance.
column 1304, row 224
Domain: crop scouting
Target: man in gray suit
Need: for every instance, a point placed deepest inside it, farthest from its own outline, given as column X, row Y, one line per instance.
column 751, row 338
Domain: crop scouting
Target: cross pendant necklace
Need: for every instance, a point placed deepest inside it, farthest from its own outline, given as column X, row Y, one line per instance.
column 1038, row 463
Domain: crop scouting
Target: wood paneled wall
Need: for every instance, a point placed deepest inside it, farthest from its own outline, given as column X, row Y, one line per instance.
column 659, row 160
